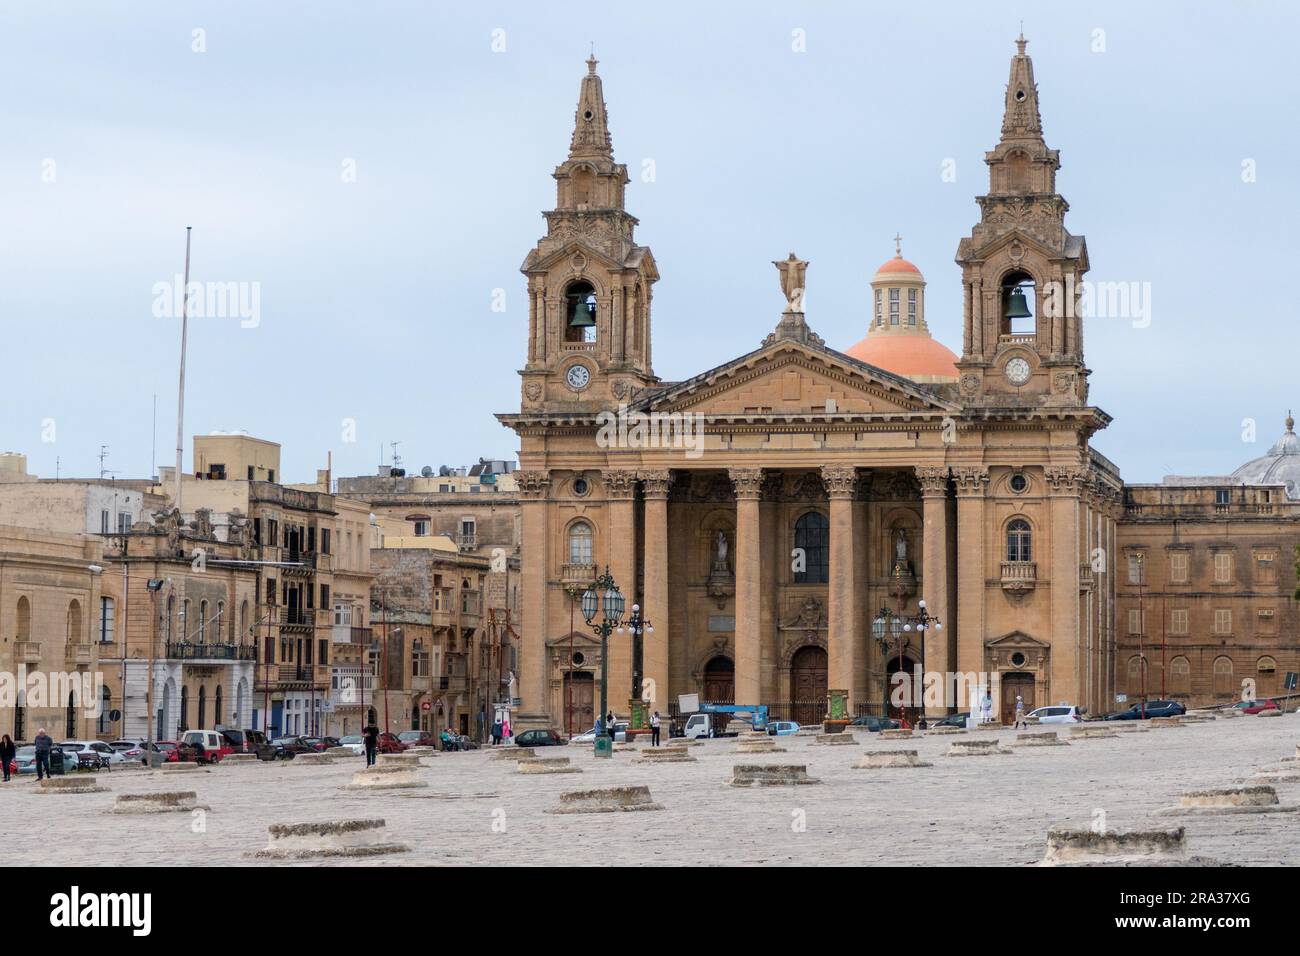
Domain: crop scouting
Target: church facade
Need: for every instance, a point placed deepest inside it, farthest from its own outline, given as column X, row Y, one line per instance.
column 786, row 519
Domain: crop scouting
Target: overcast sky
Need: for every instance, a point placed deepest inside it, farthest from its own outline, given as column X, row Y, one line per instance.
column 376, row 294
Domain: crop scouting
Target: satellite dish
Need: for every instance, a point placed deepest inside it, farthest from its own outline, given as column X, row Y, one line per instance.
column 426, row 471
column 444, row 471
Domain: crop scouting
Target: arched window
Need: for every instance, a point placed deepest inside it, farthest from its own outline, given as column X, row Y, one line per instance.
column 216, row 708
column 579, row 312
column 106, row 615
column 415, row 716
column 171, row 613
column 219, row 624
column 74, row 623
column 203, row 622
column 183, row 621
column 70, row 729
column 1180, row 676
column 20, row 715
column 1223, row 675
column 812, row 537
column 1019, row 541
column 105, row 707
column 1266, row 677
column 185, row 710
column 203, row 707
column 23, row 631
column 243, row 622
column 580, row 543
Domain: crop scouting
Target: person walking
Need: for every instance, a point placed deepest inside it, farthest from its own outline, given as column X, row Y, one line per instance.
column 654, row 730
column 371, row 735
column 1020, row 713
column 609, row 724
column 496, row 732
column 7, row 753
column 43, row 746
column 986, row 707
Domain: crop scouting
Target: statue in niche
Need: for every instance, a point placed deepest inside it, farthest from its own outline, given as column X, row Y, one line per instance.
column 720, row 551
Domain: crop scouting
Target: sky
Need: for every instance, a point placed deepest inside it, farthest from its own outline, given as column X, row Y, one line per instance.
column 369, row 177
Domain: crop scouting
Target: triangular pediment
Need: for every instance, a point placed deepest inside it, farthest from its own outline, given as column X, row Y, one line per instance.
column 793, row 378
column 579, row 641
column 1017, row 639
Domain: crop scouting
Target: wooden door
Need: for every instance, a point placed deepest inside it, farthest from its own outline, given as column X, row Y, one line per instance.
column 1012, row 685
column 719, row 682
column 808, row 685
column 583, row 687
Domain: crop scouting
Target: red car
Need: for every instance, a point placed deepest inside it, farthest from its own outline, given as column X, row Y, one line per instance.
column 418, row 738
column 389, row 744
column 1254, row 706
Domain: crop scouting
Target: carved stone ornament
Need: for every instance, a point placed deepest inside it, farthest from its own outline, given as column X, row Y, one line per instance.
column 657, row 483
column 533, row 484
column 620, row 484
column 533, row 391
column 933, row 480
column 971, row 480
column 840, row 480
column 748, row 482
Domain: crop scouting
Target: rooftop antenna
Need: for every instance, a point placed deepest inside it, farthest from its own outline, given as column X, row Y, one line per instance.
column 397, row 459
column 153, row 446
column 103, row 453
column 180, row 391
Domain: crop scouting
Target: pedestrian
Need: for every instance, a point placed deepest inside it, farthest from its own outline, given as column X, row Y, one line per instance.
column 7, row 752
column 1020, row 713
column 43, row 744
column 505, row 728
column 496, row 732
column 609, row 724
column 371, row 735
column 986, row 706
column 654, row 730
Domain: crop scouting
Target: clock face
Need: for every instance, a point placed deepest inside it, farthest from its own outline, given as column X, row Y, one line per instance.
column 1017, row 371
column 577, row 377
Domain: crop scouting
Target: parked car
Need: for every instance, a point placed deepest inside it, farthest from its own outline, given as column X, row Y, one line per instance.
column 418, row 738
column 132, row 750
column 539, row 738
column 782, row 728
column 389, row 744
column 204, row 746
column 875, row 724
column 242, row 741
column 354, row 742
column 1056, row 714
column 952, row 720
column 25, row 759
column 94, row 754
column 284, row 748
column 1254, row 706
column 620, row 734
column 1154, row 708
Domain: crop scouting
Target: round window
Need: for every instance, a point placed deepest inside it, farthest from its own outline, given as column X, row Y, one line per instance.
column 1018, row 659
column 1020, row 96
column 580, row 486
column 578, row 659
column 1019, row 483
column 587, row 115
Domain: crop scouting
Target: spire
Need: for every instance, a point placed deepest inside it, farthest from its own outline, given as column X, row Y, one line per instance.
column 1021, row 119
column 591, row 121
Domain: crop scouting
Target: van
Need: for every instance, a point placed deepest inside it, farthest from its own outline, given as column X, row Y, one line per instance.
column 214, row 746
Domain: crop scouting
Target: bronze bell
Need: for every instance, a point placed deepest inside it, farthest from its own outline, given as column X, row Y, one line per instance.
column 1017, row 307
column 582, row 317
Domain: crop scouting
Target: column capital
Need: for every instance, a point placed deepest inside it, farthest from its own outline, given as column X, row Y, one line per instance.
column 971, row 480
column 841, row 481
column 620, row 484
column 533, row 485
column 656, row 483
column 1067, row 480
column 933, row 480
column 747, row 482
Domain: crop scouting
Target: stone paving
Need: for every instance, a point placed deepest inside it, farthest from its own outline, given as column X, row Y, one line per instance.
column 993, row 810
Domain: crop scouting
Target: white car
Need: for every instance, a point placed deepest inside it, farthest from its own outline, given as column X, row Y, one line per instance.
column 1058, row 714
column 107, row 754
column 620, row 734
column 355, row 743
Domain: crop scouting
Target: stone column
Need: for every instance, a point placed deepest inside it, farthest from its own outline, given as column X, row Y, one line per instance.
column 936, row 577
column 748, row 483
column 842, row 616
column 533, row 489
column 971, row 481
column 656, row 485
column 620, row 492
column 1065, row 486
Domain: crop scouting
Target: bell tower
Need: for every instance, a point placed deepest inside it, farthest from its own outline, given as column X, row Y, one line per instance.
column 1021, row 268
column 589, row 283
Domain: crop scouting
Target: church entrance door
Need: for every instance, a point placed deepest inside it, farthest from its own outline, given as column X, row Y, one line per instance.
column 808, row 685
column 1013, row 684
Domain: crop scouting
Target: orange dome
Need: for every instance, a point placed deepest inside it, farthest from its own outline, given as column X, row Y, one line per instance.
column 913, row 356
column 898, row 264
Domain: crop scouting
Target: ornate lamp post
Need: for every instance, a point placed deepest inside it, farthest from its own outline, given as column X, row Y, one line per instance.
column 888, row 629
column 924, row 622
column 605, row 597
column 637, row 626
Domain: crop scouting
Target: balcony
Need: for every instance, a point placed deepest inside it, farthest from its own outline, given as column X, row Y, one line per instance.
column 1018, row 576
column 470, row 603
column 579, row 576
column 293, row 617
column 211, row 652
column 79, row 655
column 1085, row 577
column 423, row 684
column 27, row 652
column 297, row 674
column 467, row 541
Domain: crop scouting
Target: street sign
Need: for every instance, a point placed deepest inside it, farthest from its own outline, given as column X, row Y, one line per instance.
column 688, row 703
column 114, row 715
column 1121, row 698
column 327, row 706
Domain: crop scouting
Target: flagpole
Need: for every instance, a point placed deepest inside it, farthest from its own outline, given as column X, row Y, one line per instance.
column 180, row 392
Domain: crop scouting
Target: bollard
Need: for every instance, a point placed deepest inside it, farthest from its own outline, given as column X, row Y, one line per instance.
column 767, row 775
column 171, row 802
column 884, row 759
column 609, row 800
column 300, row 841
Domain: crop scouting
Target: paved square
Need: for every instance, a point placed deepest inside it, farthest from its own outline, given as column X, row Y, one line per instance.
column 475, row 810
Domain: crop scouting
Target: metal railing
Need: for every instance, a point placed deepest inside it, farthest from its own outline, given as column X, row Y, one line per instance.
column 211, row 652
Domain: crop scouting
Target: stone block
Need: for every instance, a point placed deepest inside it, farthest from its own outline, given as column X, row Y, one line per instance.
column 608, row 800
column 345, row 838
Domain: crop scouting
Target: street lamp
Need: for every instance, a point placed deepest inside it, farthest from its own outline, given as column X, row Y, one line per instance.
column 888, row 628
column 603, row 596
column 924, row 622
column 637, row 627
